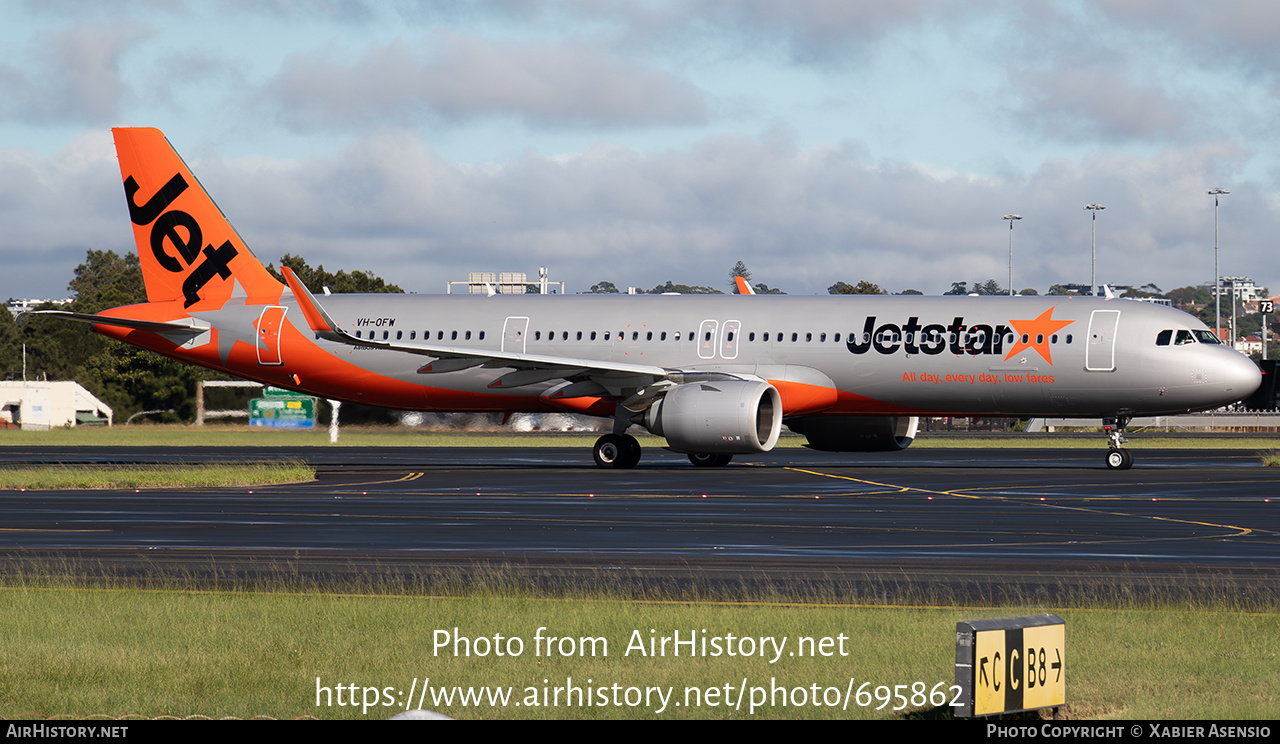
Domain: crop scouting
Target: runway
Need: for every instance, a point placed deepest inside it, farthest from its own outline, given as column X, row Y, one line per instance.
column 963, row 520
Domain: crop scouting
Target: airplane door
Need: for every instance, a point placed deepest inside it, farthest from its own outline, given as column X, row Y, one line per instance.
column 268, row 325
column 514, row 330
column 707, row 339
column 1100, row 354
column 729, row 334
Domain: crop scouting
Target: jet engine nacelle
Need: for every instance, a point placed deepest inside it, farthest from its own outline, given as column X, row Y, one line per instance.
column 723, row 417
column 857, row 433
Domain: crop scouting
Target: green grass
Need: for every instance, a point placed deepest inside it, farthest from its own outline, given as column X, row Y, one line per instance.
column 1271, row 459
column 195, row 475
column 82, row 652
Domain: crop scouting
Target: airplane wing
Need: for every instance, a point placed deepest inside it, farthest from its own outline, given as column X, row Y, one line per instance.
column 614, row 377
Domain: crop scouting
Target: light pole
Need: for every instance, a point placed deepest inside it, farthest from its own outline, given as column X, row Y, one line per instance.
column 1217, row 282
column 1093, row 264
column 1012, row 218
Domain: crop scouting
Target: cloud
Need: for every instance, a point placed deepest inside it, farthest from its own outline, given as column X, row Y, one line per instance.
column 1097, row 103
column 801, row 218
column 457, row 78
column 73, row 76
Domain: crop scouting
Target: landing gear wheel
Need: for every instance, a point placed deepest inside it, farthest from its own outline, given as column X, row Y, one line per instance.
column 618, row 451
column 709, row 460
column 1119, row 459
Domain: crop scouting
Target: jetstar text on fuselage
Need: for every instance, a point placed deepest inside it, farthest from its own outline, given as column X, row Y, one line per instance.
column 957, row 337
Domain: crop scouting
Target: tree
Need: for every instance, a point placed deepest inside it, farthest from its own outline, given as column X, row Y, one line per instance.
column 863, row 287
column 670, row 287
column 603, row 288
column 739, row 270
column 105, row 280
column 958, row 288
column 1185, row 297
column 356, row 282
column 911, row 292
column 1029, row 292
column 989, row 288
column 763, row 288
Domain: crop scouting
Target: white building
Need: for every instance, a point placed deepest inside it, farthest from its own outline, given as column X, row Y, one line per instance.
column 1241, row 286
column 40, row 406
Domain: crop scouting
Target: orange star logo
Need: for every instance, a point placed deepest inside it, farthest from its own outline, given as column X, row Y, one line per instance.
column 1034, row 334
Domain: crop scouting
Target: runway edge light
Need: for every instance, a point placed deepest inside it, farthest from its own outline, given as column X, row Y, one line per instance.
column 1012, row 664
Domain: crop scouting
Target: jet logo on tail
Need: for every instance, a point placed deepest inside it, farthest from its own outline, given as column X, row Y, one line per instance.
column 183, row 232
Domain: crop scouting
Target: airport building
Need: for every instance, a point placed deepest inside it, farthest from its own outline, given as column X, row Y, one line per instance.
column 40, row 406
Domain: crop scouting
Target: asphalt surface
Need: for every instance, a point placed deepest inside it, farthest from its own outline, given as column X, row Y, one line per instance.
column 937, row 523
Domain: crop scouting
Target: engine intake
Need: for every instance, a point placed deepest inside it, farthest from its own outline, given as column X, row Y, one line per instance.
column 726, row 417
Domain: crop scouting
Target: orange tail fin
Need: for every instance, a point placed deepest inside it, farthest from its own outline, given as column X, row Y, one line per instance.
column 187, row 248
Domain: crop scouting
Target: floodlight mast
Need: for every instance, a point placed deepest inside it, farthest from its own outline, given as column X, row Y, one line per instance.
column 1093, row 270
column 1012, row 218
column 1217, row 276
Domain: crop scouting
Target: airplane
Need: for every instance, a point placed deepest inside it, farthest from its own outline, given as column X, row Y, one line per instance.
column 716, row 376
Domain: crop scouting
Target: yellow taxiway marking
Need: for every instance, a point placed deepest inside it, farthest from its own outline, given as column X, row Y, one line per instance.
column 1238, row 530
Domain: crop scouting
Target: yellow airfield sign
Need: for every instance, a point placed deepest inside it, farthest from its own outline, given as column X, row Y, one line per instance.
column 1011, row 664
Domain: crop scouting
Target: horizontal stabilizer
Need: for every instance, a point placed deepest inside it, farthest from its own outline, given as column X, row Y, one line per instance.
column 185, row 325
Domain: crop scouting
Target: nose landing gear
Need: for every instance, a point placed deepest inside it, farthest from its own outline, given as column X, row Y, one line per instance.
column 1117, row 458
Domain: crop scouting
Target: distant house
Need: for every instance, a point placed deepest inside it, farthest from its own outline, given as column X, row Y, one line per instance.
column 40, row 406
column 1249, row 345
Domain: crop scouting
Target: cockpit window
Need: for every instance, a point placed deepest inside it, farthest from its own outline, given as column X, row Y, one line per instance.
column 1207, row 337
column 1164, row 337
column 1184, row 337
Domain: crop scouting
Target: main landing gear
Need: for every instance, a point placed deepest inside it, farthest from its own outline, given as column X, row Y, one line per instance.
column 1117, row 459
column 620, row 451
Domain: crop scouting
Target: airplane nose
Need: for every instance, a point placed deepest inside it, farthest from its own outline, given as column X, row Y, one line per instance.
column 1241, row 376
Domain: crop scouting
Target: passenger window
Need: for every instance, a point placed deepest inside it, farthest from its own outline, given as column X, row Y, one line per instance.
column 468, row 335
column 481, row 335
column 399, row 335
column 454, row 336
column 635, row 335
column 358, row 334
column 808, row 337
column 1164, row 337
column 751, row 336
column 663, row 337
column 593, row 335
column 413, row 335
column 795, row 337
column 822, row 337
column 537, row 335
